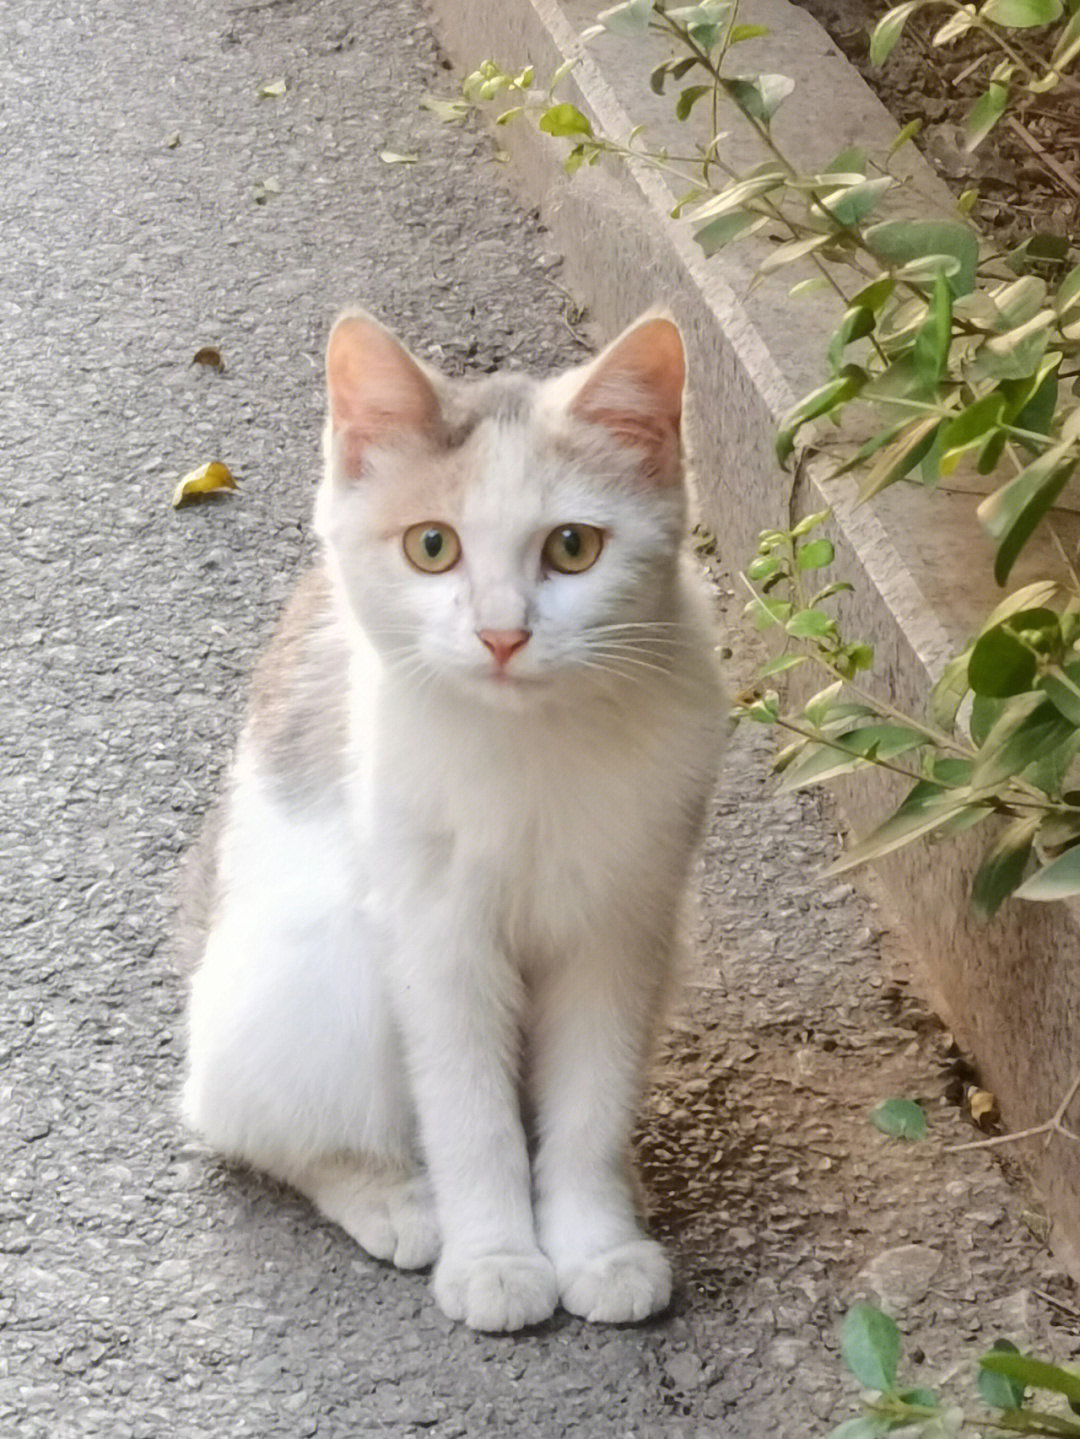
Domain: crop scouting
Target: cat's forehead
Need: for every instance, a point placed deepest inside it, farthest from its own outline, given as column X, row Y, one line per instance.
column 505, row 399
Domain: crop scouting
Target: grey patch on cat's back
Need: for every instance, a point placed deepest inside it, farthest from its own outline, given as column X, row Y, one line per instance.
column 298, row 722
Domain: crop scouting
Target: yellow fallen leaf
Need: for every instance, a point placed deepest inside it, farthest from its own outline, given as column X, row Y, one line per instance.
column 398, row 157
column 264, row 189
column 983, row 1107
column 272, row 89
column 210, row 356
column 203, row 481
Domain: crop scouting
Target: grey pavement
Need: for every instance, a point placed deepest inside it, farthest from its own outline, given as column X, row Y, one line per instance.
column 146, row 1289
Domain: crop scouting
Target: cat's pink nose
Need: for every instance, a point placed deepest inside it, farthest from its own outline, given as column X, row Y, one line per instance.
column 503, row 643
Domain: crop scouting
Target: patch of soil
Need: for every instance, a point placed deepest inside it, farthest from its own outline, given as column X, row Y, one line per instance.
column 1027, row 170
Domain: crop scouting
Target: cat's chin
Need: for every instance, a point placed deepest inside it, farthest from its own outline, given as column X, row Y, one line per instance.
column 507, row 691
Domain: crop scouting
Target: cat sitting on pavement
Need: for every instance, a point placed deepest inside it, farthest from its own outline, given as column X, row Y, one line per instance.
column 445, row 886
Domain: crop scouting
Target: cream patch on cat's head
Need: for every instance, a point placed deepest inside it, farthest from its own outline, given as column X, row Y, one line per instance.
column 511, row 537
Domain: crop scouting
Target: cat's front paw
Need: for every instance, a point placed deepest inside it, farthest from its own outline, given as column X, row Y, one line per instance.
column 496, row 1292
column 618, row 1286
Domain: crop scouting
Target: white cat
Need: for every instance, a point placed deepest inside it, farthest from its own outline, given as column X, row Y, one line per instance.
column 444, row 890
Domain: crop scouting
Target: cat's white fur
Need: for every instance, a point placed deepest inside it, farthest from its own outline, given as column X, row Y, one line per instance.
column 433, row 971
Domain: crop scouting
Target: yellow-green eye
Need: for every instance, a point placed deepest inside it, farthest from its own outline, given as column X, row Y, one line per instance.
column 431, row 547
column 573, row 548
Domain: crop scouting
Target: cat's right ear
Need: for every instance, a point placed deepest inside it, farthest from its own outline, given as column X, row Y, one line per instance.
column 376, row 390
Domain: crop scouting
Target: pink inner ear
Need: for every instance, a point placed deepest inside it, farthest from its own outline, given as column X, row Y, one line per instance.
column 635, row 390
column 376, row 389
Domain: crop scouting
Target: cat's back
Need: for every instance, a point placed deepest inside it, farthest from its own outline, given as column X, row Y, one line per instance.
column 292, row 750
column 297, row 727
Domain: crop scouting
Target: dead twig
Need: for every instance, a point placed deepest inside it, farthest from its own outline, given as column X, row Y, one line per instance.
column 1055, row 167
column 1054, row 1125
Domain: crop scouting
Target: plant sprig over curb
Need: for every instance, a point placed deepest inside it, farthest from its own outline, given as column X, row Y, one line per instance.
column 1019, row 679
column 948, row 356
column 1008, row 1382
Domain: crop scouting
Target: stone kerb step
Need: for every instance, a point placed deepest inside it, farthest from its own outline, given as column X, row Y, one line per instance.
column 919, row 562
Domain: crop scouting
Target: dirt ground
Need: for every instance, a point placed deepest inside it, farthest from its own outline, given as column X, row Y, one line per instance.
column 1027, row 170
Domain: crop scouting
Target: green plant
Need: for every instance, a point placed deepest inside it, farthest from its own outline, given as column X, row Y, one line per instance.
column 946, row 355
column 870, row 1345
column 1021, row 70
column 1019, row 679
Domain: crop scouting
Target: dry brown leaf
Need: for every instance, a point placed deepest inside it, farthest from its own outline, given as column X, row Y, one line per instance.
column 206, row 480
column 210, row 356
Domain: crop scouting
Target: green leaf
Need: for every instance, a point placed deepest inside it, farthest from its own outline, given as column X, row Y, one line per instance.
column 810, row 624
column 948, row 693
column 1068, row 43
column 903, row 1119
column 759, row 96
column 899, row 242
column 1028, row 728
column 857, row 322
column 958, row 23
column 688, row 98
column 1022, row 14
column 1002, row 870
column 565, row 119
column 715, row 234
column 851, row 204
column 924, row 1398
column 901, row 458
column 629, row 19
column 818, row 705
column 739, row 33
column 863, row 1426
column 870, row 1344
column 926, row 807
column 1061, row 690
column 969, row 429
column 815, row 555
column 819, row 402
column 889, row 29
column 1037, row 415
column 1057, row 880
column 984, row 114
column 1024, row 1370
column 997, row 1390
column 1001, row 665
column 931, row 348
column 761, row 567
column 904, row 136
column 1010, row 514
column 810, row 522
column 736, row 195
column 780, row 664
column 764, row 613
column 874, row 295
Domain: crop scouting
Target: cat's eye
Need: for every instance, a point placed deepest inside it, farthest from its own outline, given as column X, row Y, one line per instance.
column 573, row 548
column 431, row 547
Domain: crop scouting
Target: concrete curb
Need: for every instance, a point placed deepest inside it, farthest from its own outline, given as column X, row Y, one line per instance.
column 1006, row 989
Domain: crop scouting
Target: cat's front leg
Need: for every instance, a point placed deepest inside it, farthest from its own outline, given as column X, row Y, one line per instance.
column 460, row 1006
column 596, row 1019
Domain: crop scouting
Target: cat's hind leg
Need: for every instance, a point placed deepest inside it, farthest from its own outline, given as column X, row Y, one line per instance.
column 388, row 1209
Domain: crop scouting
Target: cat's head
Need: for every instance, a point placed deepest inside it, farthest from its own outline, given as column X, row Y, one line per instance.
column 509, row 536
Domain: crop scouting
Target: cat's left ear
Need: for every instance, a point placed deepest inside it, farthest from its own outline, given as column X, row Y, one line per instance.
column 634, row 389
column 376, row 390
